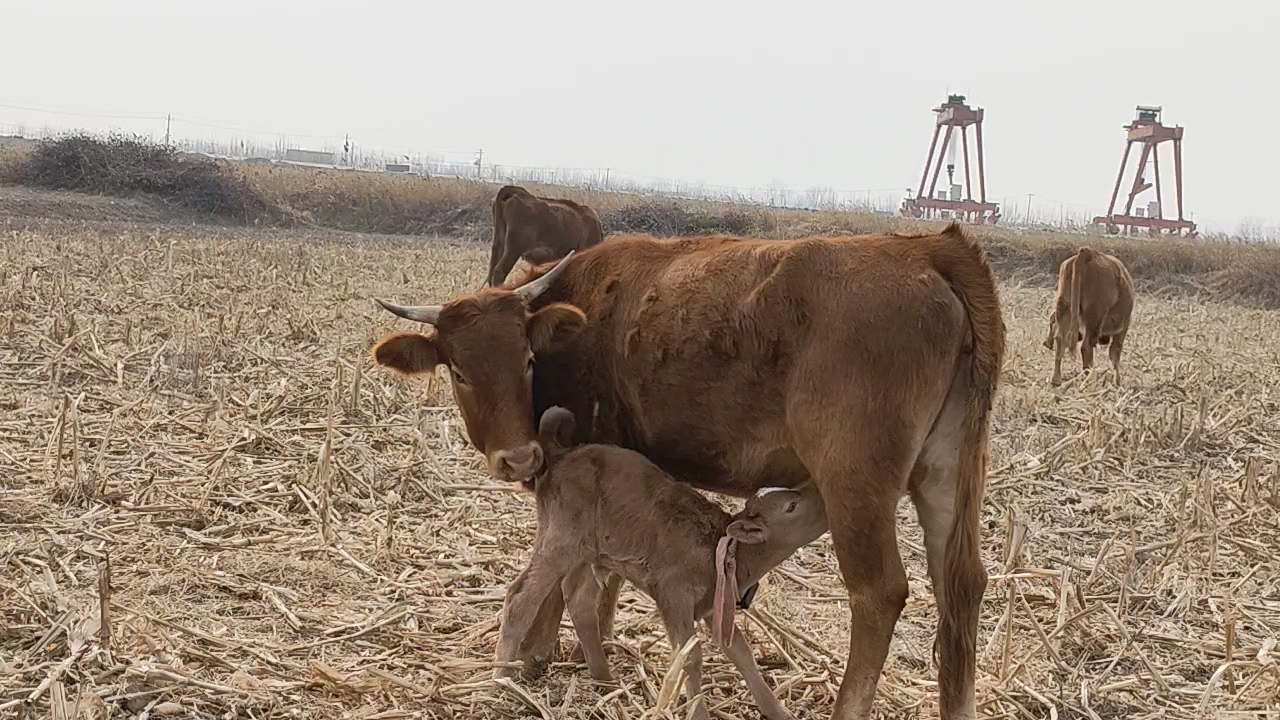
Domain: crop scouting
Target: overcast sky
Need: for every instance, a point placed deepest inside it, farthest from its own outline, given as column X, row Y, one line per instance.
column 802, row 93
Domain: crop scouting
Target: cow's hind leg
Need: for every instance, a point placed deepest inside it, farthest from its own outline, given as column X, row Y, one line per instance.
column 861, row 483
column 495, row 254
column 1117, row 346
column 498, row 273
column 935, row 481
column 1066, row 345
column 1086, row 349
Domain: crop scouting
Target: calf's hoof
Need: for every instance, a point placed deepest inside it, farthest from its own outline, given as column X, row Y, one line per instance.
column 535, row 667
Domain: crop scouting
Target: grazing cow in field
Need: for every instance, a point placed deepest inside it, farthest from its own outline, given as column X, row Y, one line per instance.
column 1093, row 307
column 865, row 364
column 602, row 507
column 537, row 229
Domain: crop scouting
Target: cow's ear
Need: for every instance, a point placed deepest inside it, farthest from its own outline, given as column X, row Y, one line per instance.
column 554, row 325
column 410, row 353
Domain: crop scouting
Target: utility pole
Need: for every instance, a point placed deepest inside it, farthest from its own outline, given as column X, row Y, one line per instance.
column 606, row 178
column 479, row 160
column 1029, row 208
column 168, row 123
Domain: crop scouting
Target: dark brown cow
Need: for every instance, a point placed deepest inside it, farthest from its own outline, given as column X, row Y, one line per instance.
column 1093, row 307
column 867, row 364
column 537, row 229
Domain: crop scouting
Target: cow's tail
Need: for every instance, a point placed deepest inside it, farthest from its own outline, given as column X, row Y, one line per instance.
column 962, row 262
column 1084, row 256
column 499, row 229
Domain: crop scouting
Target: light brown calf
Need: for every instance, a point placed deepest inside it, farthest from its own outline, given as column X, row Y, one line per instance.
column 604, row 509
column 1093, row 307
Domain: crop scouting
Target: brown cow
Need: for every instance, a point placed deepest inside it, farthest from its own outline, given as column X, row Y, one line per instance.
column 1093, row 307
column 606, row 507
column 867, row 364
column 537, row 229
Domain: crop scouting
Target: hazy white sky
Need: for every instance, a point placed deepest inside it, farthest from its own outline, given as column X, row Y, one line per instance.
column 806, row 93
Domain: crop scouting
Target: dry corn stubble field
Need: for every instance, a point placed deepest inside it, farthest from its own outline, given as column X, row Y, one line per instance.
column 213, row 506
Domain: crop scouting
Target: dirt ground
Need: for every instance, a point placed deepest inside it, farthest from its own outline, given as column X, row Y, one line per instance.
column 213, row 505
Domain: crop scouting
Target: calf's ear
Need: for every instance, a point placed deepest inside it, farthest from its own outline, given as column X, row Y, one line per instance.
column 554, row 325
column 409, row 353
column 747, row 531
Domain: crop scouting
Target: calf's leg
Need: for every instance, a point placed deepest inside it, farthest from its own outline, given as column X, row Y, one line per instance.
column 541, row 644
column 679, row 621
column 740, row 653
column 583, row 592
column 524, row 600
column 606, row 609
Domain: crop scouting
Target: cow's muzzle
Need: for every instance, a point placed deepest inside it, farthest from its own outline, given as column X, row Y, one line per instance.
column 518, row 465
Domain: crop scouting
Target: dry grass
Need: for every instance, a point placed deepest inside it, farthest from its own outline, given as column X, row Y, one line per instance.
column 211, row 501
column 1242, row 273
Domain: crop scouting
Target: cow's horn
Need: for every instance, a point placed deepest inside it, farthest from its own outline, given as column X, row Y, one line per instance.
column 533, row 289
column 429, row 314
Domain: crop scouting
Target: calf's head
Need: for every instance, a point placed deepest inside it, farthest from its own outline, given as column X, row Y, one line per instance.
column 786, row 517
column 487, row 340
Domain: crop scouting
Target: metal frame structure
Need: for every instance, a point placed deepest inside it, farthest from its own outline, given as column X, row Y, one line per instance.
column 1147, row 129
column 952, row 114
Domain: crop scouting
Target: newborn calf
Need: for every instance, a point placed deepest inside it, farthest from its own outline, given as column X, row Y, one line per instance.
column 603, row 508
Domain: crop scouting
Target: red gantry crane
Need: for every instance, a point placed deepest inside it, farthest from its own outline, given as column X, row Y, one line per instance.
column 1147, row 130
column 953, row 114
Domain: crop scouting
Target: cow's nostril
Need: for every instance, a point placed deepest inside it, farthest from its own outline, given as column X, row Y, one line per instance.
column 521, row 463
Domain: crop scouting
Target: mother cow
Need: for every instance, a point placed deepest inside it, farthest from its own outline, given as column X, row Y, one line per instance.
column 866, row 363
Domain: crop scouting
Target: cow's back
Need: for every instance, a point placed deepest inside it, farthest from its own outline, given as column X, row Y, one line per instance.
column 740, row 327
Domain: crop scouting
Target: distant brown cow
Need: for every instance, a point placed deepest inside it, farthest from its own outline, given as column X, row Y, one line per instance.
column 602, row 507
column 1093, row 307
column 537, row 229
column 865, row 364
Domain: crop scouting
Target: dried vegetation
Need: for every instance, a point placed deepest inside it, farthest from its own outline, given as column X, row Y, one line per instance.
column 212, row 505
